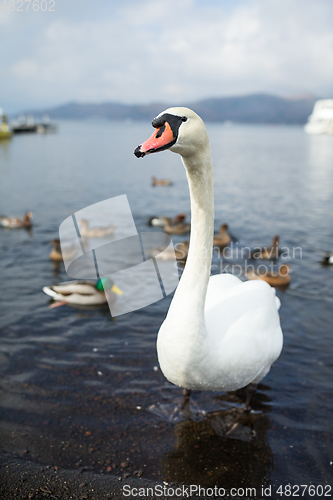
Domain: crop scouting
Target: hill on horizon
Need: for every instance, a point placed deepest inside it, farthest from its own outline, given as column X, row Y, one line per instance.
column 254, row 108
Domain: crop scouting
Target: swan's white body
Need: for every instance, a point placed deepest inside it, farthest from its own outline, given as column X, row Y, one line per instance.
column 220, row 333
column 228, row 345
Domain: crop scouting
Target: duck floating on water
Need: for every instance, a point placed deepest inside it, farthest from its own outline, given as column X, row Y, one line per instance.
column 177, row 226
column 328, row 259
column 94, row 232
column 156, row 221
column 222, row 239
column 267, row 253
column 17, row 222
column 58, row 254
column 159, row 221
column 160, row 182
column 83, row 292
column 279, row 278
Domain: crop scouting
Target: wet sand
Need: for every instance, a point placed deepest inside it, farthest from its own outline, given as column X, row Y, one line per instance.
column 21, row 479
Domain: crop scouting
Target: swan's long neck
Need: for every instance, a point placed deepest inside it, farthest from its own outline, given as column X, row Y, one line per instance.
column 191, row 291
column 182, row 338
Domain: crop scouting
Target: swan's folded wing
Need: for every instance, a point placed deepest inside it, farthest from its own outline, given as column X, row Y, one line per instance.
column 244, row 327
column 218, row 285
column 229, row 299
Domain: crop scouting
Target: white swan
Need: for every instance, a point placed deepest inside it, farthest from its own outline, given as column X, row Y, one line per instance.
column 219, row 333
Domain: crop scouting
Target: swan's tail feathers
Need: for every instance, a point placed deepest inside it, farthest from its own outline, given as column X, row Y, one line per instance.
column 49, row 291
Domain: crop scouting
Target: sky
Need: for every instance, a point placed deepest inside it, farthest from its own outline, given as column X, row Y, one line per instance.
column 174, row 51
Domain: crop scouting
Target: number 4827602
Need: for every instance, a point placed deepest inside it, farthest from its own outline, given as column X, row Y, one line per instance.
column 24, row 5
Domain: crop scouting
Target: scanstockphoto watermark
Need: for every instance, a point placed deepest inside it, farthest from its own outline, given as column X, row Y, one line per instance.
column 195, row 490
column 27, row 5
column 163, row 491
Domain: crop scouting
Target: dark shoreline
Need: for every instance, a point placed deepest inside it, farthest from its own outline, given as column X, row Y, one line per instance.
column 23, row 479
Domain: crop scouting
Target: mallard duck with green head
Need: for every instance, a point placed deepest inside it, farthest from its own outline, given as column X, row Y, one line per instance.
column 84, row 292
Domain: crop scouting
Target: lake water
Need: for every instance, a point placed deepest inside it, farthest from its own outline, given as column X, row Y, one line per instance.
column 76, row 384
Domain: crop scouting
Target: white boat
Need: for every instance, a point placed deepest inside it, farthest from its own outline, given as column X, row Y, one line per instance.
column 321, row 119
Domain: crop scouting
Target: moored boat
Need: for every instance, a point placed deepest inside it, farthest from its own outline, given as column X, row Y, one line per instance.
column 321, row 119
column 5, row 132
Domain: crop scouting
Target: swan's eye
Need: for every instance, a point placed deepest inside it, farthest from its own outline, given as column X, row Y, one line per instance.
column 184, row 118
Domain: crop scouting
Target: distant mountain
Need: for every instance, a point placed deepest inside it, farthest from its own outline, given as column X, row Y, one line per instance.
column 255, row 108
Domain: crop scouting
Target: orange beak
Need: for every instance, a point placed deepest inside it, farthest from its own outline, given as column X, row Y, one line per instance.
column 161, row 139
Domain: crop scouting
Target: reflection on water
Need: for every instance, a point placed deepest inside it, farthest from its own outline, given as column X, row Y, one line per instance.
column 4, row 149
column 77, row 384
column 320, row 152
column 227, row 447
column 200, row 457
column 320, row 162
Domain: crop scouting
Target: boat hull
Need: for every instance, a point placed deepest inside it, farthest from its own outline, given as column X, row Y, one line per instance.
column 5, row 135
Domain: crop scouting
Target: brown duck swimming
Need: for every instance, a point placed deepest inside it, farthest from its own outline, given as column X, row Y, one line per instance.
column 267, row 253
column 279, row 278
column 222, row 239
column 160, row 182
column 17, row 222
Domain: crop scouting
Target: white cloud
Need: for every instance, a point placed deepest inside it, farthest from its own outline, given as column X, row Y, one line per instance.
column 173, row 51
column 26, row 69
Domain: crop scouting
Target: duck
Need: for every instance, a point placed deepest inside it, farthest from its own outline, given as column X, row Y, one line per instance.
column 58, row 254
column 267, row 253
column 327, row 259
column 156, row 221
column 222, row 239
column 17, row 222
column 94, row 232
column 279, row 278
column 160, row 220
column 84, row 292
column 177, row 226
column 220, row 333
column 181, row 251
column 160, row 182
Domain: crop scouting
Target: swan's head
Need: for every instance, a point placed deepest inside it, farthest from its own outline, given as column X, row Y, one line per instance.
column 179, row 129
